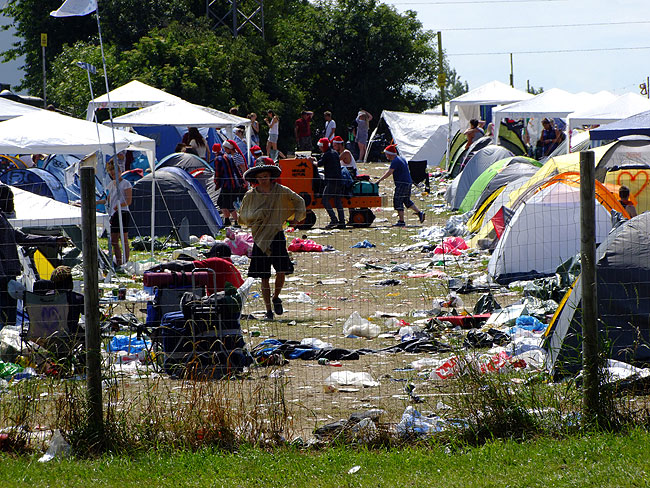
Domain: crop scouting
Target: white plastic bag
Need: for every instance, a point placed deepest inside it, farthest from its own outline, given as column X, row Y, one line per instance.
column 351, row 378
column 58, row 448
column 358, row 326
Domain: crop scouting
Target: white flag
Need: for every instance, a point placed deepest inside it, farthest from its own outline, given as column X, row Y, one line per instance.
column 72, row 8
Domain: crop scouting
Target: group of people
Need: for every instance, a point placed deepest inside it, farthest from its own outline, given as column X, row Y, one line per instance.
column 360, row 130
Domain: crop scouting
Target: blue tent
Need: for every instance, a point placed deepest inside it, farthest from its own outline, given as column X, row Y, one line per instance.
column 167, row 136
column 178, row 197
column 37, row 181
column 638, row 124
column 56, row 164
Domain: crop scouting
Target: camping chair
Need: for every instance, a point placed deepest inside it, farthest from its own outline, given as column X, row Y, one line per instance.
column 47, row 333
column 419, row 173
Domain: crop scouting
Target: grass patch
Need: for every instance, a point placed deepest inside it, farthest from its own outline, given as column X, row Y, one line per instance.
column 601, row 460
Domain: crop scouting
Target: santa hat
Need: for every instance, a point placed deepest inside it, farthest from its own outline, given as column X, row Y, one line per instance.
column 256, row 150
column 324, row 143
column 216, row 148
column 338, row 140
column 229, row 144
column 391, row 149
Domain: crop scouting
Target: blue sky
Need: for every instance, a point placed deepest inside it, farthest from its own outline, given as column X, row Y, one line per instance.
column 619, row 71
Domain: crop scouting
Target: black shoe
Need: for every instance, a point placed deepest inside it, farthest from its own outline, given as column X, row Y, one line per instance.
column 268, row 317
column 277, row 306
column 340, row 226
column 331, row 225
column 236, row 225
column 421, row 216
column 226, row 222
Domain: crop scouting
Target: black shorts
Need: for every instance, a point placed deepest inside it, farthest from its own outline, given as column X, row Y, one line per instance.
column 260, row 266
column 227, row 198
column 402, row 196
column 115, row 222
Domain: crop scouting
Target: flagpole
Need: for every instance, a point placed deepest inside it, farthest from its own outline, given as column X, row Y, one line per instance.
column 118, row 172
column 88, row 68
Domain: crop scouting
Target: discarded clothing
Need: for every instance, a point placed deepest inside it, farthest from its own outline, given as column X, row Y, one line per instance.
column 451, row 245
column 363, row 244
column 304, row 245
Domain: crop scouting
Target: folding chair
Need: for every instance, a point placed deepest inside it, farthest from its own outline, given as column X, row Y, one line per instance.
column 419, row 173
column 48, row 326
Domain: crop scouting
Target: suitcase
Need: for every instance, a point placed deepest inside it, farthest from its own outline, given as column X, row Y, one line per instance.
column 204, row 339
column 167, row 296
column 365, row 188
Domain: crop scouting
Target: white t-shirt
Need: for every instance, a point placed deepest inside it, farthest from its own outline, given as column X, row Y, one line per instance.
column 113, row 197
column 201, row 150
column 274, row 127
column 330, row 129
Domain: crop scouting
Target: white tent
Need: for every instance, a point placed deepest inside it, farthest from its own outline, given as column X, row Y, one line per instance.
column 182, row 114
column 46, row 132
column 469, row 104
column 620, row 108
column 553, row 103
column 134, row 94
column 10, row 109
column 543, row 233
column 35, row 211
column 419, row 137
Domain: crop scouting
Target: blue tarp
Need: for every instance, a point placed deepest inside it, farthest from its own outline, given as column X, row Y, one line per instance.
column 638, row 124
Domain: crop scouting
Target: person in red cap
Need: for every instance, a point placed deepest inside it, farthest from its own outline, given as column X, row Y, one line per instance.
column 256, row 154
column 333, row 184
column 229, row 180
column 345, row 156
column 216, row 150
column 231, row 148
column 399, row 168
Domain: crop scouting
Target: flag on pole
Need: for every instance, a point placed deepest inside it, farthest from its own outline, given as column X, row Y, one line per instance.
column 87, row 66
column 71, row 8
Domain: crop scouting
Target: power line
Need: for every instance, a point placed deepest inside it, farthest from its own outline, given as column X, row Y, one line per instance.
column 543, row 26
column 554, row 51
column 458, row 2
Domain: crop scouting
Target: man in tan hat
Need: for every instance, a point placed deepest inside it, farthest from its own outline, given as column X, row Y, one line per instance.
column 265, row 209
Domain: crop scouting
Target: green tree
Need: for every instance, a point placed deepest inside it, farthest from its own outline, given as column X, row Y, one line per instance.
column 123, row 22
column 349, row 54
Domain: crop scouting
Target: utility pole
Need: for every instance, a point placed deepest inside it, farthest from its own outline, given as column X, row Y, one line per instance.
column 591, row 382
column 43, row 46
column 442, row 77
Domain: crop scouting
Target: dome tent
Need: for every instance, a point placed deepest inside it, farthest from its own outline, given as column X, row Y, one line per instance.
column 623, row 291
column 178, row 197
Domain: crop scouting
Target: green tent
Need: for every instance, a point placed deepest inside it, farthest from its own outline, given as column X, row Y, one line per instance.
column 507, row 169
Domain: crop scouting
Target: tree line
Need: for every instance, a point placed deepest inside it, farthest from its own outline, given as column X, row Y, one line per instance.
column 338, row 55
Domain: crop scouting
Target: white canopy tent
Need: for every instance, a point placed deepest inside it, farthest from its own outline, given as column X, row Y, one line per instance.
column 183, row 114
column 46, row 132
column 620, row 108
column 419, row 136
column 469, row 104
column 10, row 109
column 134, row 94
column 35, row 211
column 553, row 103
